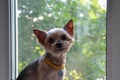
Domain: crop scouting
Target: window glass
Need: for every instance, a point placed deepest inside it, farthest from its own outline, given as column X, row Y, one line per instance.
column 87, row 58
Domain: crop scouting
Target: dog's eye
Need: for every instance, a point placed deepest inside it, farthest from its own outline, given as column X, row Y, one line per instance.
column 63, row 37
column 51, row 40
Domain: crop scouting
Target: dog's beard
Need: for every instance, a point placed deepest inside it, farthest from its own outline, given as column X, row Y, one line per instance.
column 59, row 55
column 57, row 52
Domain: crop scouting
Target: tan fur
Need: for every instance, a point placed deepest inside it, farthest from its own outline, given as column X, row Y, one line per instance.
column 56, row 43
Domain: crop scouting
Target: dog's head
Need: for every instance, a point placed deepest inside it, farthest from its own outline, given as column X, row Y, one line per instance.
column 57, row 41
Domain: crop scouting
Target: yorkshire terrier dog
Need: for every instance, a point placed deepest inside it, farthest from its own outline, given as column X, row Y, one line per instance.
column 51, row 66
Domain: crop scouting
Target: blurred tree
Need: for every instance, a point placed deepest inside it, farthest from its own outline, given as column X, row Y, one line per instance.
column 87, row 58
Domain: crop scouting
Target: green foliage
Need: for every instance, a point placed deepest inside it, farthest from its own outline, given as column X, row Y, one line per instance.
column 87, row 58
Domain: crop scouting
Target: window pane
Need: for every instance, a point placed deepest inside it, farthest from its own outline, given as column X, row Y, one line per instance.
column 87, row 58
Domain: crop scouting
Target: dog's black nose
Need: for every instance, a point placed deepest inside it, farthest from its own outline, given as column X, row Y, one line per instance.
column 59, row 45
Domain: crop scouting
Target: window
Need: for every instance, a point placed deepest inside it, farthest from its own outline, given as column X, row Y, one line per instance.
column 87, row 58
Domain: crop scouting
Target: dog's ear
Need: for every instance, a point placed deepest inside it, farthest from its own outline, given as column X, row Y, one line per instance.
column 69, row 27
column 41, row 35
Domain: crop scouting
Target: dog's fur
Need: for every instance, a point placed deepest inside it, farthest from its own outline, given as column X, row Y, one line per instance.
column 56, row 43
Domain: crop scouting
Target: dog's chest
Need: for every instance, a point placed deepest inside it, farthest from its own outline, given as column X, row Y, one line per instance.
column 48, row 73
column 55, row 75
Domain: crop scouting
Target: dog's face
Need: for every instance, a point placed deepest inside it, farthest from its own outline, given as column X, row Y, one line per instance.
column 57, row 41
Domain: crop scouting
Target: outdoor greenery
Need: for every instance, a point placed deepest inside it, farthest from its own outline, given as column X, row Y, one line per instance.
column 87, row 58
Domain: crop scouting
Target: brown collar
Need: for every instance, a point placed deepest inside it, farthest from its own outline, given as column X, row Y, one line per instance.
column 50, row 63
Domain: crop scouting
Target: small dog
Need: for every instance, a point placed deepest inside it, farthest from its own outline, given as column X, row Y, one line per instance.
column 51, row 66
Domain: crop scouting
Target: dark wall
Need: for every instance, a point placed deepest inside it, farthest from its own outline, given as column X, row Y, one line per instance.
column 4, row 70
column 113, row 40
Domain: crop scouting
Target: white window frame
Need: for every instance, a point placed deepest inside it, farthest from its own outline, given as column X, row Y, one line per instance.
column 7, row 46
column 13, row 39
